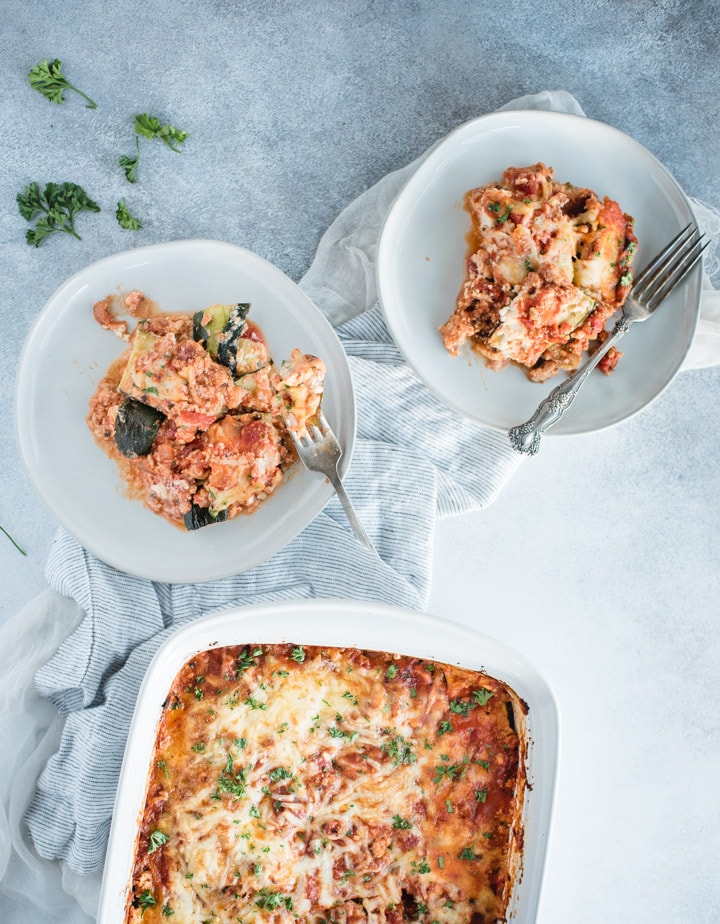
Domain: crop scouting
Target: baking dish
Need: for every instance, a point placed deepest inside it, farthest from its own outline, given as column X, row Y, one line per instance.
column 351, row 624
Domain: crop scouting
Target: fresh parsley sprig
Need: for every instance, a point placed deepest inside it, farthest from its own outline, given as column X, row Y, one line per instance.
column 147, row 126
column 125, row 219
column 53, row 209
column 47, row 78
column 150, row 127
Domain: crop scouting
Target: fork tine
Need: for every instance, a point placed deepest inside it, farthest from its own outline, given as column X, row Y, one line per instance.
column 659, row 263
column 676, row 273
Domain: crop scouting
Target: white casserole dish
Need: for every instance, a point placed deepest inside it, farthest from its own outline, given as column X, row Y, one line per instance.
column 351, row 624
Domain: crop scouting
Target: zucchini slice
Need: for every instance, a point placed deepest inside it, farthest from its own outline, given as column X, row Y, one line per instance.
column 136, row 427
column 219, row 329
column 197, row 517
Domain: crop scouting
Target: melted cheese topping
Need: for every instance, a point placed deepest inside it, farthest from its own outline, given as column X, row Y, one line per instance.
column 549, row 263
column 331, row 785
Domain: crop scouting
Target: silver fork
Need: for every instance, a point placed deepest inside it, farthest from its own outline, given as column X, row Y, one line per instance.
column 650, row 288
column 320, row 451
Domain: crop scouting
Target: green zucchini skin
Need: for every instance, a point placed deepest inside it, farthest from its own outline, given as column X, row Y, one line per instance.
column 222, row 331
column 197, row 517
column 136, row 427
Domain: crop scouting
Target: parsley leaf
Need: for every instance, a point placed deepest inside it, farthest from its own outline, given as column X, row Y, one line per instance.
column 156, row 840
column 125, row 219
column 482, row 696
column 130, row 164
column 53, row 209
column 145, row 900
column 150, row 127
column 400, row 823
column 298, row 654
column 47, row 78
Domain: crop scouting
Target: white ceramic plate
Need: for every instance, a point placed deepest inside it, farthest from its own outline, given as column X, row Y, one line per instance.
column 348, row 624
column 422, row 251
column 67, row 352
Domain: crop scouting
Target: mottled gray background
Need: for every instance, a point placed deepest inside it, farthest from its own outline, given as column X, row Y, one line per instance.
column 600, row 560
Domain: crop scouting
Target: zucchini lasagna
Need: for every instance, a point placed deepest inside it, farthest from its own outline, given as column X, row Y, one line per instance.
column 293, row 783
column 196, row 414
column 549, row 263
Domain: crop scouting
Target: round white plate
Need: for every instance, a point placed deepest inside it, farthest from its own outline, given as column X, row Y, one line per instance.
column 66, row 354
column 422, row 251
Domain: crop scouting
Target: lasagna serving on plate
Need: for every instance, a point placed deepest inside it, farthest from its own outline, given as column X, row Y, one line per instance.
column 549, row 263
column 322, row 784
column 196, row 414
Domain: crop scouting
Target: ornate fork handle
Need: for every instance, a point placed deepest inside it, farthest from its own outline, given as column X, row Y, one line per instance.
column 525, row 438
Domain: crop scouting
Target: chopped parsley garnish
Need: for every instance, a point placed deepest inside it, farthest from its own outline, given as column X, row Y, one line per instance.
column 232, row 780
column 156, row 840
column 279, row 773
column 444, row 728
column 336, row 732
column 460, row 706
column 449, row 772
column 269, row 901
column 627, row 279
column 391, row 672
column 420, row 868
column 199, row 746
column 145, row 900
column 298, row 654
column 468, row 853
column 481, row 795
column 167, row 911
column 399, row 750
column 246, row 660
column 255, row 703
column 482, row 696
column 479, row 697
column 400, row 823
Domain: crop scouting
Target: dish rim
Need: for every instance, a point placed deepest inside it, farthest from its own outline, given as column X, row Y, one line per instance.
column 570, row 425
column 25, row 419
column 331, row 622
